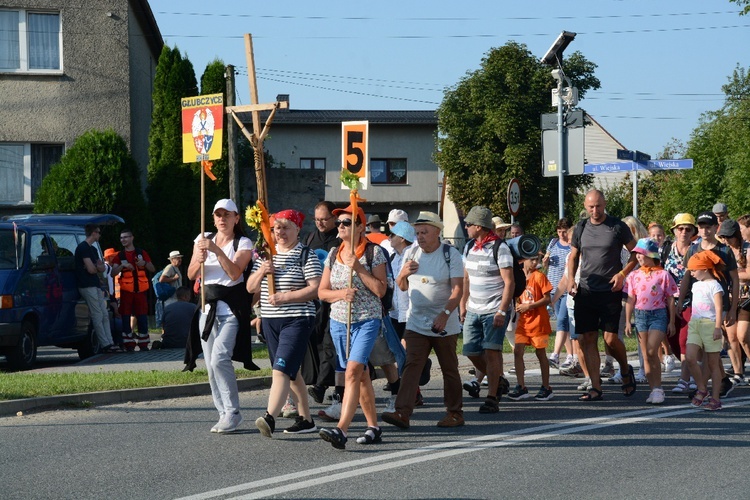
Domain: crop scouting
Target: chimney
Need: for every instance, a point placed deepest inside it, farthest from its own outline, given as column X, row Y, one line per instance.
column 283, row 98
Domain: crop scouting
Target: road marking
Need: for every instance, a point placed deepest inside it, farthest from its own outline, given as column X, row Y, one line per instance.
column 330, row 473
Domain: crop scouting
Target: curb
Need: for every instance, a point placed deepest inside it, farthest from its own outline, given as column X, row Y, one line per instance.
column 86, row 399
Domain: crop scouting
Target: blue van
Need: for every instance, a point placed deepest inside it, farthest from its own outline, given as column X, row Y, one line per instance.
column 39, row 300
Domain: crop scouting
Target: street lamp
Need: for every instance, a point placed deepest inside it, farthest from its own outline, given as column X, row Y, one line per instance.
column 553, row 57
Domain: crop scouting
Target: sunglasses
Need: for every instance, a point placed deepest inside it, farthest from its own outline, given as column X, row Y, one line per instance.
column 344, row 222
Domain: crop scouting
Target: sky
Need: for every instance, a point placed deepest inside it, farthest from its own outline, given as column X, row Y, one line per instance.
column 661, row 63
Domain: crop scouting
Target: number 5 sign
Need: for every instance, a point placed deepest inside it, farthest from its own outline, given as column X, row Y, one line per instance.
column 354, row 150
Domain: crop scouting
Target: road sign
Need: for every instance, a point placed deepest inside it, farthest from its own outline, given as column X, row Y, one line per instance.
column 574, row 150
column 667, row 165
column 628, row 166
column 641, row 157
column 355, row 150
column 624, row 154
column 514, row 197
column 604, row 168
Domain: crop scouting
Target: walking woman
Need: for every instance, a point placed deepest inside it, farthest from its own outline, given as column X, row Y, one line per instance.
column 367, row 286
column 288, row 318
column 226, row 315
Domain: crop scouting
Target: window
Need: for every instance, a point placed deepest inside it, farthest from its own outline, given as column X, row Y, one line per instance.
column 388, row 170
column 22, row 168
column 312, row 163
column 30, row 41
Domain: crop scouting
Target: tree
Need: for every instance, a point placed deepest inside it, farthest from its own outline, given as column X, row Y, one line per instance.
column 745, row 4
column 488, row 133
column 95, row 175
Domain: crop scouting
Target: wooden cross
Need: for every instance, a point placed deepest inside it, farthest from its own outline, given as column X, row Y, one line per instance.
column 257, row 136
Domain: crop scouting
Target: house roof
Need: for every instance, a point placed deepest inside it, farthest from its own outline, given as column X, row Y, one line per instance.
column 148, row 23
column 331, row 117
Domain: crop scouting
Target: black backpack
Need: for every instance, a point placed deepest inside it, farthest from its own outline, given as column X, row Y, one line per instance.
column 387, row 299
column 519, row 277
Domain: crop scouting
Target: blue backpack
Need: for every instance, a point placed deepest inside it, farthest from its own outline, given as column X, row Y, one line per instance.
column 163, row 291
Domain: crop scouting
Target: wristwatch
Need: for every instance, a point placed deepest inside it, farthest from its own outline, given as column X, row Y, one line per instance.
column 447, row 312
column 502, row 313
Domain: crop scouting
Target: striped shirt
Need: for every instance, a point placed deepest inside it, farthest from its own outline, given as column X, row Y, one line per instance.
column 558, row 255
column 485, row 284
column 289, row 274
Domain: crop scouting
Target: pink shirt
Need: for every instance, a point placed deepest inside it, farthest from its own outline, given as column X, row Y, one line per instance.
column 652, row 290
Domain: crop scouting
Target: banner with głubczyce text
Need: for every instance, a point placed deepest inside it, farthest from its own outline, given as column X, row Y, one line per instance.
column 202, row 127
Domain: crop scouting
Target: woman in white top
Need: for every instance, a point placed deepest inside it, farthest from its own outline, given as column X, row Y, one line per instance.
column 226, row 298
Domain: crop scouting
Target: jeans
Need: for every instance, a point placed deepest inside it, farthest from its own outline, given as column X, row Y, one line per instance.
column 94, row 298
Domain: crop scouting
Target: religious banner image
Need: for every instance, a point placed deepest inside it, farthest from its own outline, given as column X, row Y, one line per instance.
column 202, row 127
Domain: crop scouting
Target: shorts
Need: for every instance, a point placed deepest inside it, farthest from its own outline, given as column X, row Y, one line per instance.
column 596, row 311
column 646, row 321
column 381, row 354
column 561, row 313
column 480, row 334
column 537, row 341
column 363, row 335
column 133, row 304
column 287, row 340
column 569, row 305
column 701, row 333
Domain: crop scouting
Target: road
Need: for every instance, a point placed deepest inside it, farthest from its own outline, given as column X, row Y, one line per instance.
column 617, row 448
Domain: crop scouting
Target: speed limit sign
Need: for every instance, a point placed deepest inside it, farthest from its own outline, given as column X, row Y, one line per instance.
column 514, row 197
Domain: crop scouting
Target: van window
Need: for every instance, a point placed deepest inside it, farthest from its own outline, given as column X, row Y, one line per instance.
column 12, row 248
column 64, row 245
column 39, row 246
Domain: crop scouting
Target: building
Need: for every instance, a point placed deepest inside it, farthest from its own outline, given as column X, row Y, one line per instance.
column 66, row 68
column 305, row 147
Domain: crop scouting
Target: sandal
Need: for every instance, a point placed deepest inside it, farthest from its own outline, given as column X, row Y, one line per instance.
column 630, row 384
column 371, row 436
column 697, row 400
column 589, row 397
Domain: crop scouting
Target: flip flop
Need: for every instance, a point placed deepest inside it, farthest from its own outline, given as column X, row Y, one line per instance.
column 631, row 383
column 589, row 397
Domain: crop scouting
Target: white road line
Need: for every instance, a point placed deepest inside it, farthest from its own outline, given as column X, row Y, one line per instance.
column 334, row 472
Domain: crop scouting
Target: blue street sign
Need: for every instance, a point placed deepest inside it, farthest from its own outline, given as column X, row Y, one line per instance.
column 624, row 154
column 667, row 165
column 602, row 168
column 628, row 166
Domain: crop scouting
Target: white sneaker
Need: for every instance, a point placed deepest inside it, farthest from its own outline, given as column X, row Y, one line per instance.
column 656, row 396
column 215, row 428
column 229, row 423
column 585, row 385
column 485, row 382
column 640, row 377
column 390, row 405
column 333, row 412
column 568, row 362
column 617, row 379
column 739, row 380
column 668, row 363
column 692, row 385
column 289, row 410
column 681, row 387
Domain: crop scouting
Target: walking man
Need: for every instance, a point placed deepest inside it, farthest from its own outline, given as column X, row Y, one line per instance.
column 597, row 243
column 432, row 274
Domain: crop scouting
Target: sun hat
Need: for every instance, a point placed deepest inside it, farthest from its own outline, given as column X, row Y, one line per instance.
column 480, row 216
column 647, row 247
column 227, row 205
column 374, row 219
column 682, row 220
column 348, row 210
column 429, row 218
column 174, row 254
column 109, row 252
column 500, row 223
column 404, row 229
column 397, row 215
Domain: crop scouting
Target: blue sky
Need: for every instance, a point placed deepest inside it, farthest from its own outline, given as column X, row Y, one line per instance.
column 661, row 63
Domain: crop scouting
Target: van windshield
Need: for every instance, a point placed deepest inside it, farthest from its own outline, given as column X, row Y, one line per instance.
column 12, row 248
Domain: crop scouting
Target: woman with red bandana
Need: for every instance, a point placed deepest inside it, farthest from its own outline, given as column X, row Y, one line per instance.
column 288, row 318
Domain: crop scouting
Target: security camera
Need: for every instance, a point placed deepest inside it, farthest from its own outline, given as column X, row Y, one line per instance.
column 553, row 57
column 557, row 74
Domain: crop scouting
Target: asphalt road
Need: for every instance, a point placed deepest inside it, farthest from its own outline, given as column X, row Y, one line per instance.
column 617, row 448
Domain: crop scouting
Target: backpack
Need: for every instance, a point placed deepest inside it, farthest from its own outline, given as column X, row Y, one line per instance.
column 390, row 282
column 519, row 277
column 163, row 291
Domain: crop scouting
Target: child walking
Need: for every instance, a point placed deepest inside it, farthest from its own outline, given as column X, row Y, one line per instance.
column 650, row 291
column 704, row 329
column 533, row 329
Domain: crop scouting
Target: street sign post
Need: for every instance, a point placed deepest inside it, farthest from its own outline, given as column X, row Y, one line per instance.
column 514, row 198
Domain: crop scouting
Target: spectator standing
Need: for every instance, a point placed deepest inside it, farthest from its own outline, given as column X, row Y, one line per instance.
column 88, row 265
column 597, row 243
column 501, row 227
column 394, row 217
column 720, row 210
column 133, row 264
column 487, row 300
column 374, row 233
column 175, row 325
column 434, row 283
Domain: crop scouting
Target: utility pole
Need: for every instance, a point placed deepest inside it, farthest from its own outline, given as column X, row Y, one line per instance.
column 234, row 171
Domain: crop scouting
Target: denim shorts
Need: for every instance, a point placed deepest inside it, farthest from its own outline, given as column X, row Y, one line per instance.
column 363, row 335
column 656, row 319
column 480, row 334
column 561, row 313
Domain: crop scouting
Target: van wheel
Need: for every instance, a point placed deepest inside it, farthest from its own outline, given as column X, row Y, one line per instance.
column 90, row 346
column 23, row 356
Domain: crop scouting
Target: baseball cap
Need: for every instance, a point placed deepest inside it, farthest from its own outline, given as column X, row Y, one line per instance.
column 707, row 218
column 397, row 215
column 227, row 205
column 729, row 227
